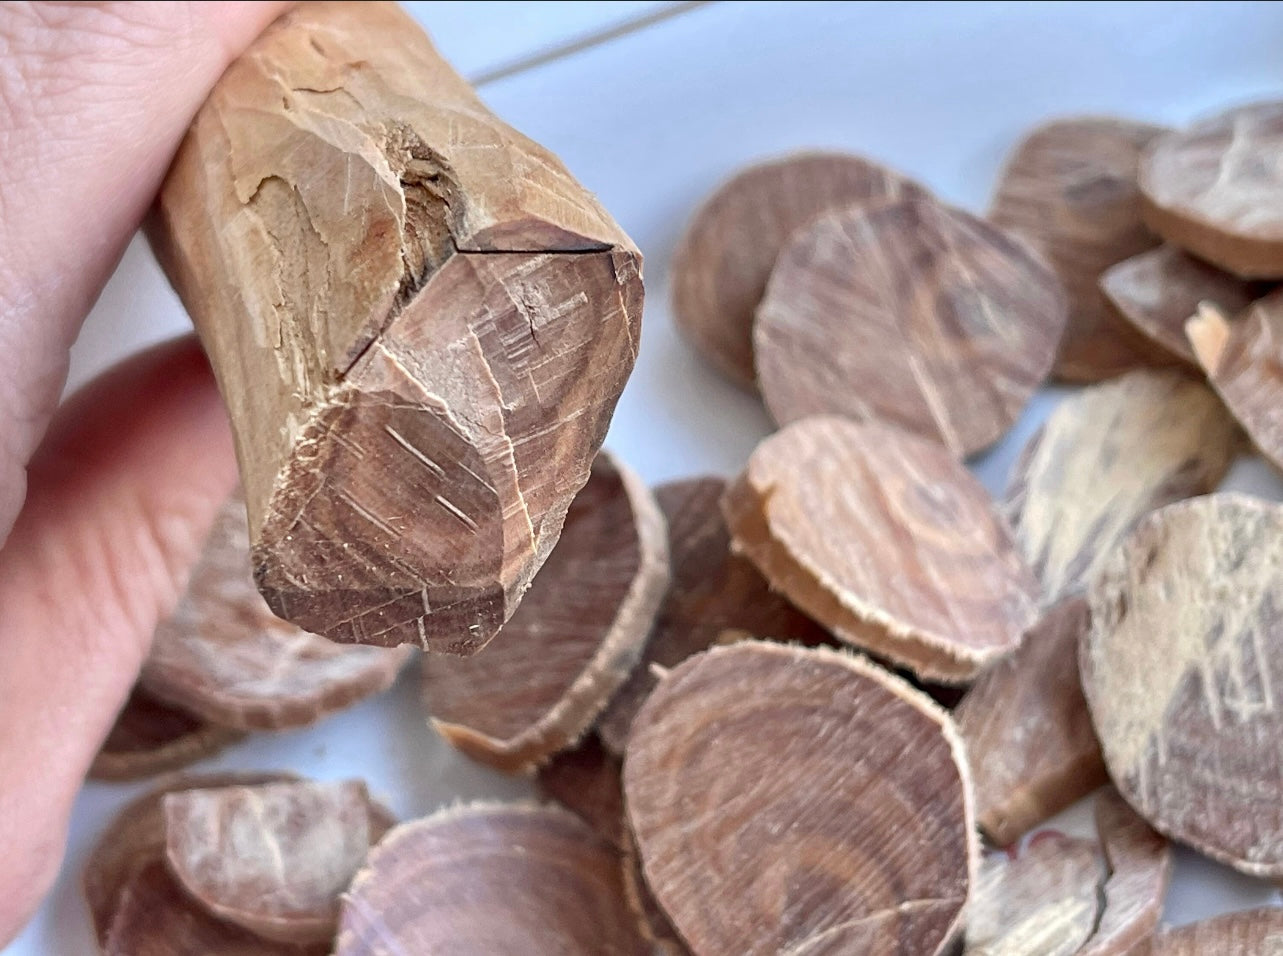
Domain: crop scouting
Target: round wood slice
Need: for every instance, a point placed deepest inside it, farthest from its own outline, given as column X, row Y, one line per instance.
column 490, row 879
column 585, row 781
column 1244, row 362
column 888, row 541
column 721, row 264
column 775, row 811
column 712, row 591
column 1157, row 292
column 225, row 657
column 911, row 312
column 1181, row 670
column 1216, row 189
column 653, row 923
column 1256, row 932
column 151, row 737
column 1070, row 188
column 274, row 857
column 580, row 630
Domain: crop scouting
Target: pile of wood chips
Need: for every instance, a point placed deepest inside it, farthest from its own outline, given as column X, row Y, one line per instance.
column 741, row 699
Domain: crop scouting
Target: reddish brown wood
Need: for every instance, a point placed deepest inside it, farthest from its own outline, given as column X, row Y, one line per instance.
column 585, row 781
column 151, row 737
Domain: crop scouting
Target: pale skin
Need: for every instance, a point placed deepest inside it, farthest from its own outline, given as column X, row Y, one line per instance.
column 104, row 500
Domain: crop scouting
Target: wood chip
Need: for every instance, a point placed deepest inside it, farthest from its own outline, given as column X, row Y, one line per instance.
column 1216, row 189
column 1070, row 188
column 754, row 844
column 1244, row 362
column 888, row 541
column 724, row 258
column 1256, row 932
column 490, row 879
column 272, row 858
column 1139, row 867
column 151, row 737
column 225, row 657
column 653, row 923
column 1043, row 901
column 910, row 312
column 578, row 635
column 712, row 591
column 1028, row 735
column 586, row 782
column 1179, row 671
column 1157, row 292
column 1107, row 456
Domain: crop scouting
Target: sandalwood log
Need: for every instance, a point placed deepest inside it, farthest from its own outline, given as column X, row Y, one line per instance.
column 419, row 321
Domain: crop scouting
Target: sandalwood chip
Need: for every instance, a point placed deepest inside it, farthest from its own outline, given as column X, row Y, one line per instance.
column 151, row 737
column 1029, row 738
column 490, row 879
column 1257, row 932
column 580, row 630
column 722, row 263
column 225, row 657
column 1157, row 292
column 1216, row 189
column 1070, row 188
column 1104, row 458
column 1180, row 670
column 774, row 810
column 884, row 538
column 911, row 312
column 585, row 781
column 711, row 591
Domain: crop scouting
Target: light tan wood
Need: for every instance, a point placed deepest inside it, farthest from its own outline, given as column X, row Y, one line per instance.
column 1256, row 932
column 419, row 321
column 151, row 737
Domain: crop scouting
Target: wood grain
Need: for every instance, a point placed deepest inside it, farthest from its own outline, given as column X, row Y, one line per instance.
column 579, row 632
column 888, row 541
column 711, row 591
column 1180, row 672
column 1107, row 456
column 224, row 656
column 725, row 256
column 1215, row 189
column 774, row 811
column 420, row 323
column 1029, row 739
column 151, row 737
column 1070, row 188
column 911, row 312
column 1256, row 932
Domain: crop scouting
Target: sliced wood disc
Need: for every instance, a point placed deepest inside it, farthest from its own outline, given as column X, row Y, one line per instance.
column 579, row 632
column 586, row 782
column 490, row 879
column 274, row 857
column 1107, row 456
column 1158, row 291
column 225, row 657
column 1244, row 362
column 721, row 264
column 911, row 312
column 888, row 541
column 1029, row 738
column 1216, row 189
column 711, row 591
column 1070, row 188
column 775, row 812
column 1257, row 932
column 1180, row 671
column 151, row 737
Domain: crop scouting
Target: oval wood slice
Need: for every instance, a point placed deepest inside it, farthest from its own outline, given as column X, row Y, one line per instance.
column 711, row 591
column 1105, row 457
column 888, row 541
column 1070, row 188
column 1244, row 362
column 724, row 258
column 490, row 880
column 274, row 857
column 1181, row 670
column 586, row 782
column 1257, row 932
column 1157, row 292
column 1216, row 189
column 774, row 811
column 1029, row 738
column 225, row 657
column 151, row 737
column 577, row 635
column 911, row 312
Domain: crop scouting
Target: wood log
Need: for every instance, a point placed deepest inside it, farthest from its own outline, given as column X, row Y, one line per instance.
column 419, row 321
